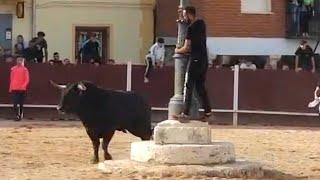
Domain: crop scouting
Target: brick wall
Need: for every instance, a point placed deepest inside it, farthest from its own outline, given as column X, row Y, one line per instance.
column 224, row 19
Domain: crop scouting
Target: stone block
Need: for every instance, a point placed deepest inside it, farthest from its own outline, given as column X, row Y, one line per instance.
column 183, row 154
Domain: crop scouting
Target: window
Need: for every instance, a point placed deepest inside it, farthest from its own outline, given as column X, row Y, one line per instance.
column 256, row 6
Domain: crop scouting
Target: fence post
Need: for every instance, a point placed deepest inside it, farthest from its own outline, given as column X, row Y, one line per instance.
column 129, row 76
column 235, row 95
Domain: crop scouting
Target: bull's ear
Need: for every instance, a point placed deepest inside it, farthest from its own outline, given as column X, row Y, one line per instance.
column 82, row 87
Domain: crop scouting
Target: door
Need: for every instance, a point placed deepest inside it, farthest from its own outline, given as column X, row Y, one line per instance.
column 6, row 31
column 102, row 36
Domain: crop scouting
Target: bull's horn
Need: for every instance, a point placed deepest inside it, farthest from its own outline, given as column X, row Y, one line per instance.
column 57, row 85
column 82, row 87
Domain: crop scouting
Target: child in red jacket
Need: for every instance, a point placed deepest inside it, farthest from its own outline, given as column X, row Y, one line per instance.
column 19, row 81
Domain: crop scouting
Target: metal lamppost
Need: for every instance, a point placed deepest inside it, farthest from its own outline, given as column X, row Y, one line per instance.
column 176, row 103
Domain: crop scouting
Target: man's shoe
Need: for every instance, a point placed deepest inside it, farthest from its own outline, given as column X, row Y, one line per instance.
column 146, row 80
column 18, row 118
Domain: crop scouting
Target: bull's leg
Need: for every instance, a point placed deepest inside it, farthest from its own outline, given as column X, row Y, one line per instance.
column 106, row 140
column 95, row 143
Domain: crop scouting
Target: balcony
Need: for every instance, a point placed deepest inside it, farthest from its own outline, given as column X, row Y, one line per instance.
column 303, row 22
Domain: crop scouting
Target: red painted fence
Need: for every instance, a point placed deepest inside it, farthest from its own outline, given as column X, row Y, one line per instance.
column 259, row 90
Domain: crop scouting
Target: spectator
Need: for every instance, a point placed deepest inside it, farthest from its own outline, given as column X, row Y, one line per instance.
column 247, row 65
column 306, row 14
column 8, row 56
column 294, row 20
column 19, row 47
column 38, row 49
column 90, row 50
column 154, row 58
column 287, row 62
column 9, row 59
column 66, row 62
column 97, row 63
column 1, row 53
column 56, row 59
column 304, row 58
column 19, row 81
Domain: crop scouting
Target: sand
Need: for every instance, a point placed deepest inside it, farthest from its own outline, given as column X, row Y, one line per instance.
column 57, row 150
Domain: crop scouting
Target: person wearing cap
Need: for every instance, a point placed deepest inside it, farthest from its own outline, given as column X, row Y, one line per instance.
column 19, row 81
column 154, row 58
column 305, row 58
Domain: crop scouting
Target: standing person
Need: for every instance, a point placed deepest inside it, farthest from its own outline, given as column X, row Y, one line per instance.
column 154, row 58
column 305, row 58
column 56, row 59
column 38, row 49
column 196, row 44
column 19, row 47
column 19, row 81
column 90, row 50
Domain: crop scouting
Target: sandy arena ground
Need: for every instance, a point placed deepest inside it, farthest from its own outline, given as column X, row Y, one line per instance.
column 61, row 150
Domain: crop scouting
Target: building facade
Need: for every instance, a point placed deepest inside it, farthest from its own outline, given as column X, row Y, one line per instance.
column 125, row 28
column 236, row 27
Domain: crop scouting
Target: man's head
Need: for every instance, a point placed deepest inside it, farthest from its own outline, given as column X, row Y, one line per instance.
column 20, row 39
column 41, row 35
column 20, row 61
column 160, row 42
column 189, row 13
column 93, row 36
column 56, row 56
column 66, row 61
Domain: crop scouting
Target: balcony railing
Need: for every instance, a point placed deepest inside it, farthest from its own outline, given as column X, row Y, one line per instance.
column 303, row 21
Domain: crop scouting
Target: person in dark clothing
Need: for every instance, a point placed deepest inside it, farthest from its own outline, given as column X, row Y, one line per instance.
column 38, row 49
column 305, row 58
column 19, row 47
column 90, row 50
column 196, row 44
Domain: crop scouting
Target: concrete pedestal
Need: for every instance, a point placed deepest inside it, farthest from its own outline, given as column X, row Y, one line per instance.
column 174, row 132
column 185, row 148
column 188, row 154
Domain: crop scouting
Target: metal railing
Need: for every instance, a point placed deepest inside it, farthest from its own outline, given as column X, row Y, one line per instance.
column 303, row 22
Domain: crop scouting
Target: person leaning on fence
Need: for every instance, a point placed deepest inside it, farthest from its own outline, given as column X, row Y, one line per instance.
column 19, row 81
column 305, row 58
column 154, row 58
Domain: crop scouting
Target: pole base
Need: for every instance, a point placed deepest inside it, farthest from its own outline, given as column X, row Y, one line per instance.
column 176, row 106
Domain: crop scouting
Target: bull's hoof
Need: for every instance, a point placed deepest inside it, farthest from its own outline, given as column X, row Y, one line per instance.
column 107, row 157
column 94, row 161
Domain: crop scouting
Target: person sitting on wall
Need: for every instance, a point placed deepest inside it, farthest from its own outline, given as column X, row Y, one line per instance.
column 56, row 59
column 66, row 62
column 154, row 58
column 8, row 56
column 111, row 62
column 305, row 58
column 247, row 65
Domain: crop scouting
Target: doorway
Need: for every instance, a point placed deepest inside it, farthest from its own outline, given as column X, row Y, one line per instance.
column 102, row 36
column 6, row 31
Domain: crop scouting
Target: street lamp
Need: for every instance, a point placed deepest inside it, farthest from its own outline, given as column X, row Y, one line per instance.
column 176, row 103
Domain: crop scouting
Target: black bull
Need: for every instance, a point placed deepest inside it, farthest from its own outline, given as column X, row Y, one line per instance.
column 102, row 112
